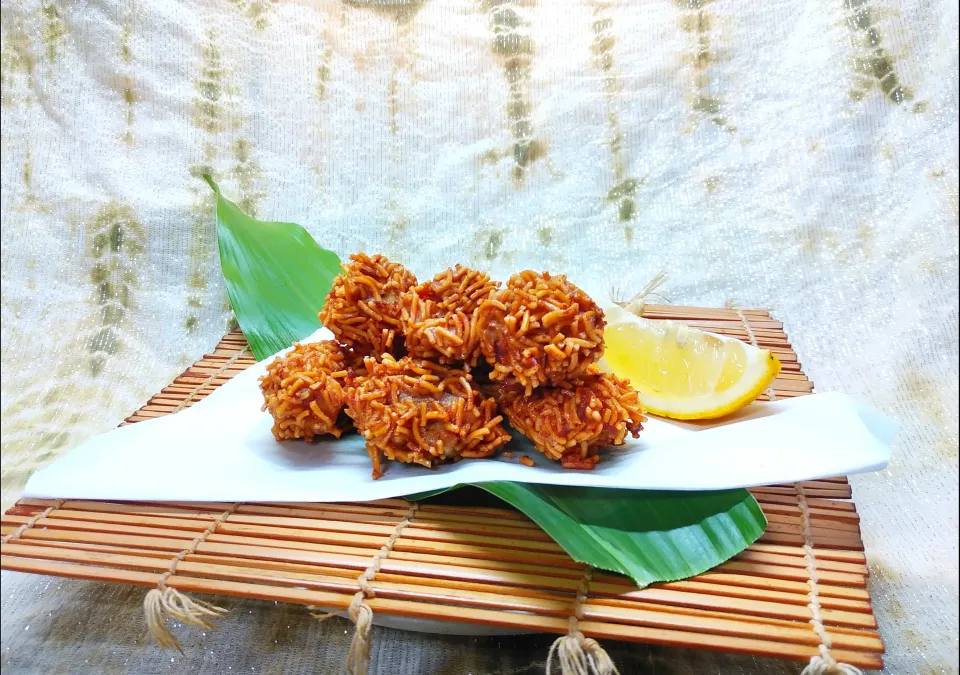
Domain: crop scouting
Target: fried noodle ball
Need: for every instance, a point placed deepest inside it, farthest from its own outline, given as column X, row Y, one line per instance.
column 571, row 422
column 540, row 329
column 303, row 390
column 362, row 309
column 416, row 411
column 439, row 316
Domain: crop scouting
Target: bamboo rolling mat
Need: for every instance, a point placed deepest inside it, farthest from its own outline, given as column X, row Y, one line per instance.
column 479, row 565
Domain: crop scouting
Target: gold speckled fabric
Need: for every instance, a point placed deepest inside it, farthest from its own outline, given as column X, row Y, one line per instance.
column 795, row 155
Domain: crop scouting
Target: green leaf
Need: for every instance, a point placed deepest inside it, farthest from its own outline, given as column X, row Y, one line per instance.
column 649, row 536
column 277, row 276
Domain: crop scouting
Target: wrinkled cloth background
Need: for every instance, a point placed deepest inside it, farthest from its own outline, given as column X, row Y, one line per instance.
column 789, row 154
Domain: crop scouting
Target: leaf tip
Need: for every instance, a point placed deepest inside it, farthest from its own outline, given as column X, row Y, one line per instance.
column 213, row 186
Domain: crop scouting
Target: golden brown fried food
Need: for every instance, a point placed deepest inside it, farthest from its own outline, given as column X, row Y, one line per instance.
column 363, row 309
column 418, row 411
column 540, row 329
column 439, row 316
column 571, row 422
column 303, row 390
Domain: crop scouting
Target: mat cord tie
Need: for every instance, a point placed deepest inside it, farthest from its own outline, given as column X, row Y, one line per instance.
column 358, row 657
column 823, row 663
column 163, row 601
column 575, row 653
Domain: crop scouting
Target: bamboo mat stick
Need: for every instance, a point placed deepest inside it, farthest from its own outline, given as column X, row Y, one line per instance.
column 873, row 640
column 737, row 607
column 76, row 571
column 100, row 548
column 822, row 503
column 792, row 561
column 155, row 543
column 611, row 582
column 745, row 625
column 819, row 542
column 839, row 535
column 792, row 573
column 88, row 526
column 770, row 508
column 673, row 311
column 799, row 634
column 790, row 596
column 186, row 524
column 833, row 492
column 815, row 485
column 148, row 509
column 822, row 524
column 828, row 554
column 821, row 554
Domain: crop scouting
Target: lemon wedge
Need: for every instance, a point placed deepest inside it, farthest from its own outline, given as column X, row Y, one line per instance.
column 681, row 372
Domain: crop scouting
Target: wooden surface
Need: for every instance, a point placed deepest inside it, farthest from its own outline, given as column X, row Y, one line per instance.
column 479, row 565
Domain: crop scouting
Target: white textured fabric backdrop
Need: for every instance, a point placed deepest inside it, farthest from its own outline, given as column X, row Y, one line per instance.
column 792, row 154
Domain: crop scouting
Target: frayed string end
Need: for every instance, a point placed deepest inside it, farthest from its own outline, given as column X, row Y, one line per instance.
column 579, row 655
column 164, row 601
column 169, row 602
column 358, row 658
column 636, row 304
column 575, row 653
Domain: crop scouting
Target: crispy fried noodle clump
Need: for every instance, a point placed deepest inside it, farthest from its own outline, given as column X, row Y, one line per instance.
column 303, row 390
column 417, row 411
column 440, row 316
column 571, row 422
column 363, row 309
column 540, row 329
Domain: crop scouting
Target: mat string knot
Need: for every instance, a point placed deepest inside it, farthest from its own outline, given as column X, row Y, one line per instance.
column 577, row 654
column 164, row 601
column 825, row 664
column 358, row 657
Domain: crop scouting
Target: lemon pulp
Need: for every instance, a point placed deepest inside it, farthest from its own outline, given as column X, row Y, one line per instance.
column 685, row 373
